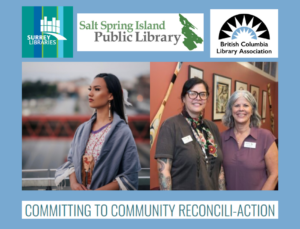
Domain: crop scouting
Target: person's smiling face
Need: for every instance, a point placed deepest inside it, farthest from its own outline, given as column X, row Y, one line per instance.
column 99, row 95
column 242, row 111
column 195, row 106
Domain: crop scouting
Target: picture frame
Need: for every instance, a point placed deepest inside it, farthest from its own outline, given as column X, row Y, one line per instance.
column 239, row 85
column 221, row 94
column 264, row 105
column 254, row 90
column 195, row 72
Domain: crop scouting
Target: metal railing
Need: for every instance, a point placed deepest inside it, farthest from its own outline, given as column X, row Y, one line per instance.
column 47, row 183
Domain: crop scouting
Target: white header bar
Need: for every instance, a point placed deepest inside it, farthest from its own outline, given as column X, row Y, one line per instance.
column 140, row 32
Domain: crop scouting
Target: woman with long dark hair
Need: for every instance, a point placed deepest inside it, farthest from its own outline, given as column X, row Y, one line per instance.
column 103, row 154
column 188, row 150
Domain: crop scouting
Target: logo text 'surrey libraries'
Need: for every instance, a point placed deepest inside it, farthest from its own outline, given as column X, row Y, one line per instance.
column 244, row 33
column 140, row 32
column 47, row 32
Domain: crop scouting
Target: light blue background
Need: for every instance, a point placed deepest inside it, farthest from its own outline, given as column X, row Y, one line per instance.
column 10, row 115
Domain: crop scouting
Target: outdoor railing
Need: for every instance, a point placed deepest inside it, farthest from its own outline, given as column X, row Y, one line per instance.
column 47, row 183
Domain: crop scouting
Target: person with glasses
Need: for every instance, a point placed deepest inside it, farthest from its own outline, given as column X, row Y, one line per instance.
column 250, row 152
column 189, row 151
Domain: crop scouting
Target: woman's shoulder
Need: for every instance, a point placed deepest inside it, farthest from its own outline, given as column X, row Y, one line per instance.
column 211, row 124
column 82, row 130
column 87, row 123
column 119, row 128
column 173, row 121
column 123, row 127
column 83, row 125
column 263, row 132
column 226, row 133
column 264, row 137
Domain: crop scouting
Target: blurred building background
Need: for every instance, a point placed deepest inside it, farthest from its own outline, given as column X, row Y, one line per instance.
column 55, row 103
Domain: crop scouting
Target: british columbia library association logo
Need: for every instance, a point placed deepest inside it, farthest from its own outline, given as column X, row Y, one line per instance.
column 244, row 33
column 47, row 32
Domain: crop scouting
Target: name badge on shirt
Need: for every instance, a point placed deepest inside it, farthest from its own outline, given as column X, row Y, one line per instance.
column 187, row 139
column 250, row 145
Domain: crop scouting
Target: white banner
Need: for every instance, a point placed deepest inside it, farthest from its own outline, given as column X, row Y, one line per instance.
column 243, row 33
column 140, row 32
column 149, row 209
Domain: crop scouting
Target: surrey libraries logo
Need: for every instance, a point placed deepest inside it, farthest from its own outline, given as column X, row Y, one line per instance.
column 244, row 35
column 47, row 32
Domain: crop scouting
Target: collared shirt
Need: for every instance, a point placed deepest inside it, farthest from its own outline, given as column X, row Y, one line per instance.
column 245, row 168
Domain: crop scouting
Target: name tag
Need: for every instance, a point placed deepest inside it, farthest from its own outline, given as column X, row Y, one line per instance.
column 250, row 145
column 187, row 139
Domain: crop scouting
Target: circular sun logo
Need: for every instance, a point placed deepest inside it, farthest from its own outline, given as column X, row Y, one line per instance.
column 244, row 27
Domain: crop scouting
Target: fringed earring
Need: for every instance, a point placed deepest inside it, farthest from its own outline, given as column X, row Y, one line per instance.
column 109, row 112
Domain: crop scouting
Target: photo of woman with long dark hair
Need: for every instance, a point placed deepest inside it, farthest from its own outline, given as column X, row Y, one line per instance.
column 103, row 154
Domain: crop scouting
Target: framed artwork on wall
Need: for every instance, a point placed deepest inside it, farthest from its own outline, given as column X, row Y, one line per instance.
column 195, row 72
column 264, row 105
column 221, row 94
column 240, row 86
column 255, row 92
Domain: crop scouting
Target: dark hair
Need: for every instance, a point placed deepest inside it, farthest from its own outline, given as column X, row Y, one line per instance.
column 114, row 86
column 191, row 83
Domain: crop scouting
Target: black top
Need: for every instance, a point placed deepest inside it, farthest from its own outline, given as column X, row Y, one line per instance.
column 189, row 171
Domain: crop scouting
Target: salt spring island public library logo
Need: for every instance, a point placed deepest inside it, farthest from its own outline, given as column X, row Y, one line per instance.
column 47, row 31
column 244, row 33
column 140, row 32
